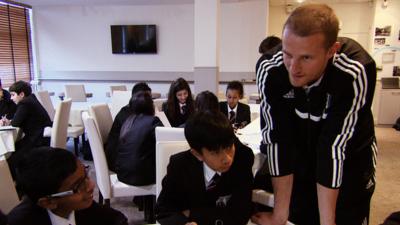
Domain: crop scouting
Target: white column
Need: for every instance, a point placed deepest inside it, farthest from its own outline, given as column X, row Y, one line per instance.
column 206, row 46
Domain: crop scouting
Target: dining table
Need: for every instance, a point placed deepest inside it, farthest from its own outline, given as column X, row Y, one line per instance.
column 8, row 136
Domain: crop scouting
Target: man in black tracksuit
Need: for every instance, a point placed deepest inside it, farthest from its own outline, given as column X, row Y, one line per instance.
column 317, row 124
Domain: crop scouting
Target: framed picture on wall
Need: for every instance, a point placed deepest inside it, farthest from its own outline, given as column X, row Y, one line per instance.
column 383, row 31
column 379, row 41
column 396, row 71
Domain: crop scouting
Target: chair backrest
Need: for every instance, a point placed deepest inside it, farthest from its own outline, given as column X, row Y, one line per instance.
column 118, row 88
column 102, row 118
column 76, row 93
column 254, row 111
column 45, row 100
column 170, row 134
column 8, row 193
column 60, row 125
column 164, row 150
column 158, row 103
column 161, row 115
column 99, row 157
column 119, row 99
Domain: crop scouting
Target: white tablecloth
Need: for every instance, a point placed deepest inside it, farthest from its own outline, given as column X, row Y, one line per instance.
column 8, row 136
column 251, row 136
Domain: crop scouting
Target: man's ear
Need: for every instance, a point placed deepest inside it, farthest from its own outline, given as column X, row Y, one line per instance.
column 47, row 203
column 333, row 49
column 22, row 94
column 196, row 154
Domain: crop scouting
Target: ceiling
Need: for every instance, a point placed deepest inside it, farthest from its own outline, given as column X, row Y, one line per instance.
column 164, row 2
column 294, row 2
column 112, row 2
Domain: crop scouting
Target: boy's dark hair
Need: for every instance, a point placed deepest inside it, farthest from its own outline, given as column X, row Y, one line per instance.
column 142, row 103
column 141, row 86
column 236, row 85
column 206, row 100
column 21, row 86
column 211, row 130
column 268, row 43
column 42, row 171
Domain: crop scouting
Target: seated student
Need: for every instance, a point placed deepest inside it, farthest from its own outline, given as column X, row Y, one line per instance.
column 237, row 112
column 136, row 151
column 113, row 137
column 3, row 218
column 58, row 191
column 212, row 182
column 180, row 104
column 31, row 117
column 7, row 106
column 268, row 43
column 206, row 100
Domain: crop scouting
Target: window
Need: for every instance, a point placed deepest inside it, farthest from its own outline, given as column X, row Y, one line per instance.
column 15, row 44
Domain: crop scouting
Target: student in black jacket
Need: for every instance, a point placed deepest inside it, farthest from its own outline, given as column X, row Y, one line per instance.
column 212, row 182
column 237, row 112
column 136, row 151
column 31, row 117
column 113, row 137
column 58, row 191
column 7, row 106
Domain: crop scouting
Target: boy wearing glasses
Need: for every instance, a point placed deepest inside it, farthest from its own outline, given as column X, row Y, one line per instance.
column 58, row 191
column 210, row 184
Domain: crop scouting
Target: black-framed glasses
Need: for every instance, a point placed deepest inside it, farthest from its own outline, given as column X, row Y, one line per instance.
column 80, row 185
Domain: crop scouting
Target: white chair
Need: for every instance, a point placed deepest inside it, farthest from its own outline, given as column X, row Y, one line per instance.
column 117, row 88
column 161, row 115
column 158, row 103
column 73, row 131
column 254, row 111
column 103, row 119
column 170, row 134
column 76, row 93
column 164, row 150
column 155, row 95
column 60, row 125
column 119, row 99
column 8, row 194
column 108, row 183
column 45, row 100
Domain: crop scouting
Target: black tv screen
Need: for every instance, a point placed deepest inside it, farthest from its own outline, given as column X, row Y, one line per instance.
column 131, row 39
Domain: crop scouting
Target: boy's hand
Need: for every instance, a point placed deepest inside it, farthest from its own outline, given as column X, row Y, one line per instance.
column 191, row 223
column 267, row 218
column 186, row 212
column 4, row 121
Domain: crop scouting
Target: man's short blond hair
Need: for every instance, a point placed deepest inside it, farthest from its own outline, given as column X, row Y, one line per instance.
column 311, row 19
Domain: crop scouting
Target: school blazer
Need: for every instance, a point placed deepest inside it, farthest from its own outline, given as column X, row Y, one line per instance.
column 242, row 114
column 184, row 188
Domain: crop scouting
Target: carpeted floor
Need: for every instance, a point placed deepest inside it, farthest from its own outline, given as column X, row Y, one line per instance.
column 385, row 200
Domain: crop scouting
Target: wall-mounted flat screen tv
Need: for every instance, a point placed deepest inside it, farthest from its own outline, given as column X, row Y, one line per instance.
column 134, row 39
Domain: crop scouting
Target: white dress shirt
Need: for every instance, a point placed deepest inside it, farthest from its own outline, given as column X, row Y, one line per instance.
column 229, row 110
column 58, row 220
column 208, row 174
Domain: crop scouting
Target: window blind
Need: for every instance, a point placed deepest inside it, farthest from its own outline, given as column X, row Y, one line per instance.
column 15, row 44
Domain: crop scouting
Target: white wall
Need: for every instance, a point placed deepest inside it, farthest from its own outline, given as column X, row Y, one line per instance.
column 74, row 44
column 243, row 27
column 388, row 16
column 356, row 20
column 78, row 38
